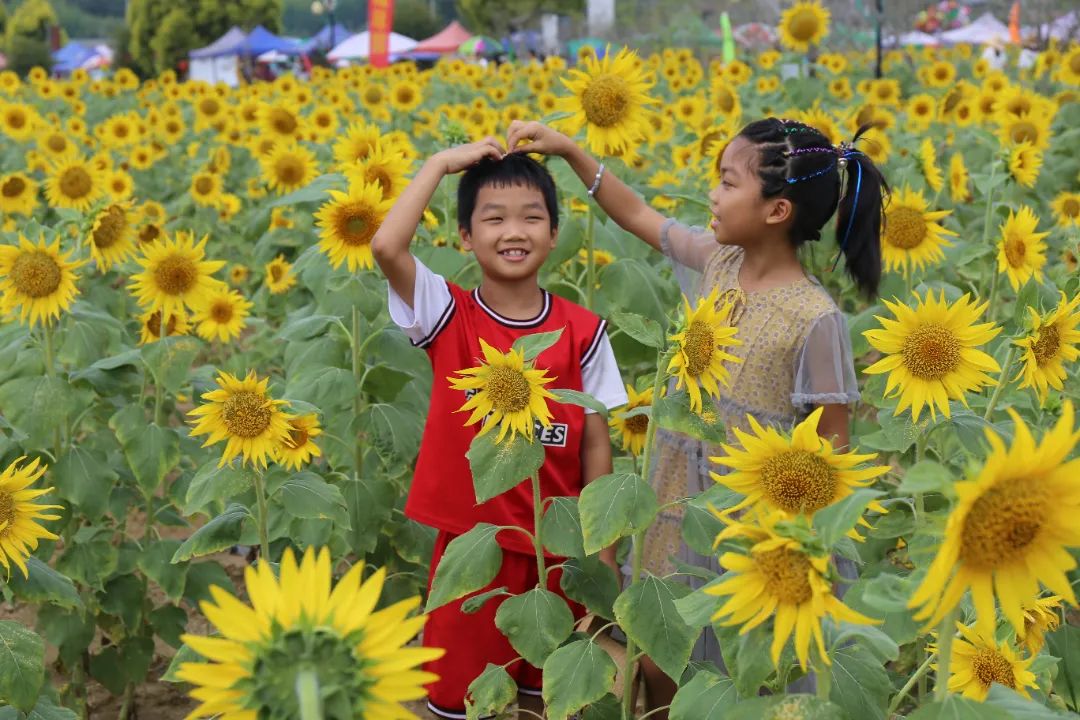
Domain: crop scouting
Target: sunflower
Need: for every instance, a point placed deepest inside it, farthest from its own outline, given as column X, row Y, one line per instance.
column 1032, row 128
column 405, row 96
column 796, row 473
column 1066, row 207
column 1069, row 67
column 288, row 166
column 1050, row 345
column 357, row 143
column 74, row 183
column 241, row 412
column 18, row 194
column 299, row 447
column 297, row 626
column 221, row 314
column 112, row 236
column 928, row 161
column 912, row 237
column 18, row 121
column 931, row 352
column 803, row 24
column 1009, row 529
column 958, row 179
column 941, row 74
column 1021, row 249
column 505, row 391
column 206, row 189
column 383, row 166
column 150, row 329
column 979, row 661
column 699, row 358
column 633, row 429
column 280, row 123
column 1040, row 617
column 1025, row 161
column 777, row 576
column 689, row 110
column 55, row 144
column 19, row 531
column 349, row 222
column 279, row 275
column 38, row 280
column 608, row 99
column 175, row 274
column 238, row 274
column 119, row 185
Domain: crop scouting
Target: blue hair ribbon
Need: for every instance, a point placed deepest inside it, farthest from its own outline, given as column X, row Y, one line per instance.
column 854, row 205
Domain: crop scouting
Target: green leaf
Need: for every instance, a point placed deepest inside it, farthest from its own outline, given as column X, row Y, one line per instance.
column 698, row 607
column 746, row 656
column 614, row 506
column 169, row 360
column 317, row 190
column 870, row 638
column 393, row 431
column 608, row 707
column 1065, row 644
column 117, row 665
column 169, row 623
column 834, row 521
column 84, row 479
column 1019, row 707
column 645, row 330
column 575, row 675
column 219, row 534
column 370, row 502
column 45, row 709
column 38, row 405
column 592, row 583
column 861, row 685
column 213, row 483
column 305, row 327
column 560, row 528
column 536, row 343
column 22, row 665
column 474, row 603
column 491, row 693
column 184, row 655
column 200, row 577
column 156, row 562
column 573, row 397
column 782, row 707
column 123, row 597
column 632, row 285
column 45, row 584
column 498, row 467
column 152, row 455
column 470, row 563
column 535, row 623
column 926, row 476
column 955, row 707
column 647, row 614
column 306, row 495
column 707, row 696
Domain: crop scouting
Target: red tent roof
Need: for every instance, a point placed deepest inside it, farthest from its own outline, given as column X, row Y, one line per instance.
column 446, row 40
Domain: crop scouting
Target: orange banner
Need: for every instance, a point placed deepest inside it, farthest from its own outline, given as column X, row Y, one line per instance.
column 380, row 21
column 1014, row 23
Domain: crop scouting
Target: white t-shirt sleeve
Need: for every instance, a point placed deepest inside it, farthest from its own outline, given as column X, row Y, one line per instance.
column 600, row 374
column 432, row 306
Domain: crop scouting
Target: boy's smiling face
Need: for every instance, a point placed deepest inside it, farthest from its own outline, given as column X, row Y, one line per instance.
column 512, row 232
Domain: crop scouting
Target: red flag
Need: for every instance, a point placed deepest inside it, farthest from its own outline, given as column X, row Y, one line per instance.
column 380, row 20
column 1014, row 23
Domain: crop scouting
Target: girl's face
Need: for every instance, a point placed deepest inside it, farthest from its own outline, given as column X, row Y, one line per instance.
column 740, row 214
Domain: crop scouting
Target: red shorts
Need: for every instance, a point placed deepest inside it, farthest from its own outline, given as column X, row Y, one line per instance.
column 472, row 640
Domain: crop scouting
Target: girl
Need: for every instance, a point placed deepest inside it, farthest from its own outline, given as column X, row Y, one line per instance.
column 780, row 183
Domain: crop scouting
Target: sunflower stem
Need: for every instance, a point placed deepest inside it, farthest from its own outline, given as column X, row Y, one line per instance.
column 159, row 396
column 125, row 705
column 824, row 679
column 899, row 697
column 590, row 260
column 358, row 380
column 307, row 695
column 260, row 501
column 541, row 573
column 47, row 331
column 1003, row 380
column 945, row 637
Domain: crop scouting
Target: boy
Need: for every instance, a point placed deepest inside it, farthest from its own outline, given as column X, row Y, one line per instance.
column 508, row 218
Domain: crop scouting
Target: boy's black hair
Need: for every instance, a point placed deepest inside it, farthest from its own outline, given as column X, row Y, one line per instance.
column 514, row 169
column 798, row 162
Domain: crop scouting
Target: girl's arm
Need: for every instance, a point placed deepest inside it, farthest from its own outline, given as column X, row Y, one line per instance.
column 833, row 426
column 621, row 203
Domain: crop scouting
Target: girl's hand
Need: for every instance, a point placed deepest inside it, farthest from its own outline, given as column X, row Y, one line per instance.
column 537, row 138
column 460, row 157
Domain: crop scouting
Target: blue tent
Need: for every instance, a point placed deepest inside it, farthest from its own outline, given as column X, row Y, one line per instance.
column 237, row 42
column 261, row 40
column 322, row 39
column 71, row 56
column 231, row 43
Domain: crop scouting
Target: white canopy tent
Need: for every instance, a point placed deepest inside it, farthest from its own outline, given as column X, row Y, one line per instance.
column 358, row 47
column 911, row 38
column 1065, row 27
column 984, row 29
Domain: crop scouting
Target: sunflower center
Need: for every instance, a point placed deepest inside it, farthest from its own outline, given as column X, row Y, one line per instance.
column 1024, row 132
column 1002, row 522
column 204, row 185
column 7, row 512
column 246, row 414
column 803, row 25
column 356, row 225
column 508, row 389
column 298, row 436
column 905, row 229
column 35, row 274
column 75, row 183
column 57, row 143
column 1074, row 63
column 275, row 272
column 221, row 311
column 787, row 574
column 1046, row 347
column 931, row 352
column 605, row 100
column 289, row 170
column 176, row 275
column 1071, row 207
column 798, row 481
column 698, row 347
column 150, row 233
column 110, row 227
column 16, row 119
column 637, row 424
column 1015, row 251
column 373, row 95
column 13, row 187
column 990, row 666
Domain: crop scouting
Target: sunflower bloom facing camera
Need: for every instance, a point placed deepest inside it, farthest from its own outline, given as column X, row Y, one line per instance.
column 802, row 25
column 1051, row 344
column 1009, row 530
column 175, row 274
column 299, row 447
column 19, row 514
column 699, row 360
column 305, row 629
column 38, row 280
column 634, row 429
column 242, row 413
column 912, row 237
column 1021, row 250
column 112, row 236
column 221, row 314
column 349, row 222
column 509, row 393
column 979, row 661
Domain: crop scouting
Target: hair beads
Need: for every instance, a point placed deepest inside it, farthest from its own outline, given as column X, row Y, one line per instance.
column 822, row 171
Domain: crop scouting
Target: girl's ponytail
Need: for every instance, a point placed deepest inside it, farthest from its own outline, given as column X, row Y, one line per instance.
column 858, row 220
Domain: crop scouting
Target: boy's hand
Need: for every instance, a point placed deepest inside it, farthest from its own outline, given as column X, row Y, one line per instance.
column 537, row 138
column 460, row 157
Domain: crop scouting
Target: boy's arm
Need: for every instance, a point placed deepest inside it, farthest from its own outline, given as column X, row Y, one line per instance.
column 595, row 462
column 628, row 209
column 390, row 245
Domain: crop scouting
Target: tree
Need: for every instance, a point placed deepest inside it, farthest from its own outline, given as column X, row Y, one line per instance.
column 414, row 18
column 3, row 17
column 497, row 17
column 26, row 35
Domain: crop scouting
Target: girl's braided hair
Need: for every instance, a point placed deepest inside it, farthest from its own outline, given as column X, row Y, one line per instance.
column 797, row 162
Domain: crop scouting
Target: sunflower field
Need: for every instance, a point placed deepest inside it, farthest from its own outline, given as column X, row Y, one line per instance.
column 208, row 421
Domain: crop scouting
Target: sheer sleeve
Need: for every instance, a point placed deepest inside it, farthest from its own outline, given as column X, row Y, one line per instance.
column 688, row 249
column 824, row 368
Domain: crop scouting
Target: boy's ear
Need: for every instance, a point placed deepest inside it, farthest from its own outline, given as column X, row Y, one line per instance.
column 554, row 236
column 780, row 210
column 466, row 238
